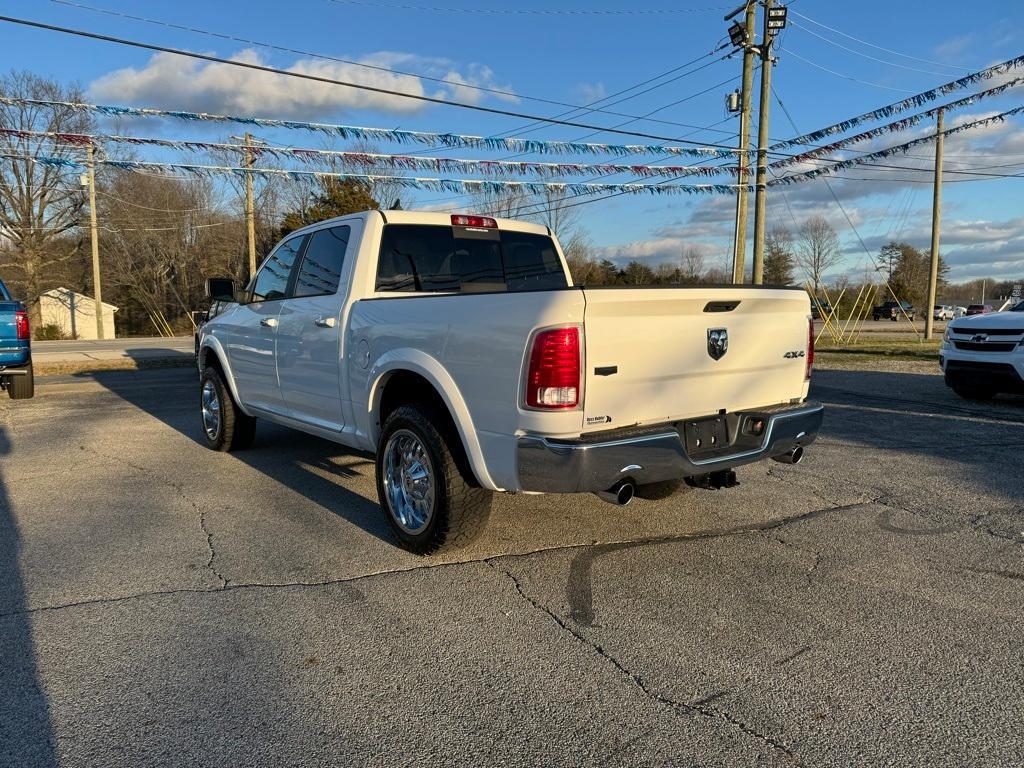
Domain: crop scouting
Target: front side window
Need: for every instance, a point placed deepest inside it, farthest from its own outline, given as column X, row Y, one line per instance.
column 320, row 272
column 430, row 258
column 272, row 280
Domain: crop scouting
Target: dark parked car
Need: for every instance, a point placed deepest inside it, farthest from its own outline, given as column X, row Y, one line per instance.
column 15, row 348
column 893, row 311
column 980, row 309
column 825, row 311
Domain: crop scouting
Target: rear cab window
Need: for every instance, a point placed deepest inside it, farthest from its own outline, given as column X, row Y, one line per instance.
column 426, row 258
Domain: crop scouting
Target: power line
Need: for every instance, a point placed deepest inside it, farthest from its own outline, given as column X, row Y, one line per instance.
column 535, row 11
column 585, row 109
column 392, row 135
column 327, row 80
column 791, row 52
column 877, row 47
column 529, row 128
column 903, row 105
column 901, row 124
column 810, row 31
column 376, row 67
column 834, row 166
column 147, row 208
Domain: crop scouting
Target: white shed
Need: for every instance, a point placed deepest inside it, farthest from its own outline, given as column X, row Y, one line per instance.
column 74, row 313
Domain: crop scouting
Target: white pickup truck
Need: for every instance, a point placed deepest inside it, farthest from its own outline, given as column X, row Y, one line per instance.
column 458, row 350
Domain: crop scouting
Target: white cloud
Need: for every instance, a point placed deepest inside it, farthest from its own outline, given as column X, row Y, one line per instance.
column 588, row 93
column 955, row 47
column 175, row 82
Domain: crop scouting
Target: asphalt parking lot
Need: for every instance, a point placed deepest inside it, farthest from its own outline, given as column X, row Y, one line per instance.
column 161, row 604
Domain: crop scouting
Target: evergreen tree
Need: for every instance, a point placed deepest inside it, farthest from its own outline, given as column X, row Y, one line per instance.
column 778, row 258
column 337, row 197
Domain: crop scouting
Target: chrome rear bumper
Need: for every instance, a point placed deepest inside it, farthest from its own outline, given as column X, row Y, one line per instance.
column 656, row 454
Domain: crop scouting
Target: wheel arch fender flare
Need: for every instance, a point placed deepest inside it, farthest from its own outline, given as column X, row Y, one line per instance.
column 210, row 345
column 419, row 362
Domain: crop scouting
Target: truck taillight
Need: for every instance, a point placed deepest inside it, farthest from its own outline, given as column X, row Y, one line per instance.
column 810, row 348
column 21, row 325
column 553, row 378
column 474, row 221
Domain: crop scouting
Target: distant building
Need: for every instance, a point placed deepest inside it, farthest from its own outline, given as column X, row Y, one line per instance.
column 74, row 313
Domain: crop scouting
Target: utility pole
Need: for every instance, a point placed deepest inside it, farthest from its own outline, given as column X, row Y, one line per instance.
column 250, row 205
column 761, row 181
column 933, row 276
column 94, row 237
column 743, row 156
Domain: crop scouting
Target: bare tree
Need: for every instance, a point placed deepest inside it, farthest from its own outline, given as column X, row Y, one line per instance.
column 583, row 265
column 554, row 209
column 817, row 249
column 692, row 264
column 508, row 203
column 39, row 202
column 159, row 239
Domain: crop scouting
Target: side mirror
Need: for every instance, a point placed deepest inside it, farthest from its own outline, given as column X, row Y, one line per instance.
column 220, row 289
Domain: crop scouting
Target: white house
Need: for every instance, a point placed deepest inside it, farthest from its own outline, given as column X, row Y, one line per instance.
column 74, row 313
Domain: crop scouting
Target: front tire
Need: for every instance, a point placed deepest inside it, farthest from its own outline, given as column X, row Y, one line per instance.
column 424, row 484
column 22, row 387
column 225, row 427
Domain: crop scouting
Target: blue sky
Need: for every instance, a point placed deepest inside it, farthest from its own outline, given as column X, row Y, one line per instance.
column 574, row 58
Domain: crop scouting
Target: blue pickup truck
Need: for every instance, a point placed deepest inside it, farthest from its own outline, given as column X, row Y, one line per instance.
column 15, row 348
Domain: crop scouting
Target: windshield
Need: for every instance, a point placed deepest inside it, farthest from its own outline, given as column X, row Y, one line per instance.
column 1017, row 307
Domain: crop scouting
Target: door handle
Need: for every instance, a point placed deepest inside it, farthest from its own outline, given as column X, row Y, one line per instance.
column 269, row 322
column 324, row 322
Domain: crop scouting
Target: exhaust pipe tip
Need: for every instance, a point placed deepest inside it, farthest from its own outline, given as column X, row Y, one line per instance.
column 619, row 494
column 793, row 456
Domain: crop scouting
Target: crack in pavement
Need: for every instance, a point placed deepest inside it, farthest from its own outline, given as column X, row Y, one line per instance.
column 228, row 585
column 178, row 488
column 579, row 590
column 213, row 552
column 696, row 708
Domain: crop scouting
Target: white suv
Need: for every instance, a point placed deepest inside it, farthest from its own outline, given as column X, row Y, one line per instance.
column 983, row 355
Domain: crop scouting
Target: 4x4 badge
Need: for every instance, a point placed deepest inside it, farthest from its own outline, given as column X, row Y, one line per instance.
column 718, row 342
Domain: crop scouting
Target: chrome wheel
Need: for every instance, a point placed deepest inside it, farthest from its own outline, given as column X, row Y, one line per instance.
column 408, row 481
column 211, row 409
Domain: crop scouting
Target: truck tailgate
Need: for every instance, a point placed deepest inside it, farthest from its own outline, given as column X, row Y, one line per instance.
column 649, row 358
column 8, row 329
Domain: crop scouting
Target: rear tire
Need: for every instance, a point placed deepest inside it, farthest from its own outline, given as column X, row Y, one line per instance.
column 225, row 427
column 22, row 387
column 424, row 483
column 978, row 394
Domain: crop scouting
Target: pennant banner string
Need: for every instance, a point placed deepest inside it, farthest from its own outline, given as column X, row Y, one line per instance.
column 396, row 162
column 917, row 100
column 896, row 126
column 443, row 185
column 889, row 151
column 395, row 136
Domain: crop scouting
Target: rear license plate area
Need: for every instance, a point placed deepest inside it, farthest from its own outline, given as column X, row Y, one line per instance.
column 705, row 435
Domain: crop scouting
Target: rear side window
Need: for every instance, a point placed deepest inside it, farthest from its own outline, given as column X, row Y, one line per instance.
column 272, row 280
column 427, row 258
column 3, row 292
column 320, row 272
